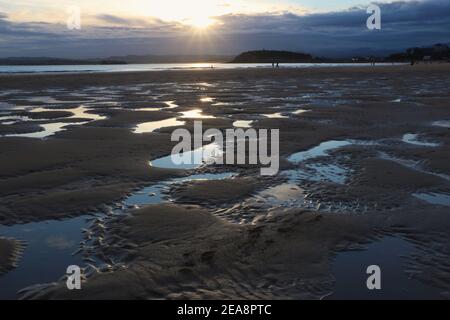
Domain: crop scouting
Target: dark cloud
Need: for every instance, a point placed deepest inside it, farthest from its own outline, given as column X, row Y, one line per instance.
column 401, row 13
column 404, row 24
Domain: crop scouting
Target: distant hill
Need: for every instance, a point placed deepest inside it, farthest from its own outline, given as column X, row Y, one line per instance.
column 130, row 59
column 437, row 52
column 269, row 56
column 41, row 61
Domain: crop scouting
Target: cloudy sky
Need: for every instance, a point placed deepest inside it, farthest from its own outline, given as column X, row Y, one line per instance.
column 118, row 27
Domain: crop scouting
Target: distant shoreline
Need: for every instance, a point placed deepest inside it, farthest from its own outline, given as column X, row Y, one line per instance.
column 80, row 79
column 152, row 67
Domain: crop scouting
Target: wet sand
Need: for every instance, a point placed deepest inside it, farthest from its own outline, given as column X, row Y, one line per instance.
column 215, row 192
column 227, row 238
column 184, row 252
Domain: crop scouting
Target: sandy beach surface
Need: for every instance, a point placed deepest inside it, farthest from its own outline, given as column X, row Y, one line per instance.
column 365, row 157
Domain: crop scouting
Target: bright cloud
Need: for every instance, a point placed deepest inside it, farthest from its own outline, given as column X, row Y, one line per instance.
column 168, row 27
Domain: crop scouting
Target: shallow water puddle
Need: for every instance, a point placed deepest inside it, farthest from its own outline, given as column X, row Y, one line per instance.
column 9, row 92
column 51, row 100
column 300, row 111
column 189, row 160
column 412, row 138
column 195, row 114
column 78, row 94
column 319, row 151
column 414, row 165
column 442, row 123
column 223, row 104
column 170, row 105
column 80, row 112
column 152, row 126
column 155, row 193
column 243, row 124
column 145, row 109
column 46, row 100
column 262, row 204
column 8, row 106
column 277, row 115
column 350, row 268
column 49, row 130
column 48, row 253
column 206, row 84
column 285, row 195
column 15, row 118
column 434, row 198
column 207, row 99
column 51, row 245
column 320, row 172
column 330, row 172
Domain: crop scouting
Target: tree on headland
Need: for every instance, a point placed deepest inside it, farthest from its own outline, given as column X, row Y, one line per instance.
column 272, row 56
column 438, row 52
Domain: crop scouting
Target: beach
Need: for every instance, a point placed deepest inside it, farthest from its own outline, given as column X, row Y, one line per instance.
column 364, row 157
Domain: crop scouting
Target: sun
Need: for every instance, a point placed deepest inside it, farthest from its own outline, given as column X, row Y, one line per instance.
column 201, row 22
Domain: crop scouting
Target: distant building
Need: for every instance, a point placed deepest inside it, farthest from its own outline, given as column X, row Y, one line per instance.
column 440, row 48
column 438, row 52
